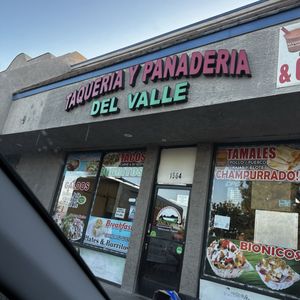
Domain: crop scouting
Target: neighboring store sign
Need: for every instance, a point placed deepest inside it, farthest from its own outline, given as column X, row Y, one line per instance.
column 108, row 234
column 220, row 62
column 212, row 291
column 177, row 166
column 288, row 70
column 268, row 163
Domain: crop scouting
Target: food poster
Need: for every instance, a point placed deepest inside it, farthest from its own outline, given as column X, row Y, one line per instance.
column 253, row 185
column 126, row 166
column 288, row 69
column 108, row 234
column 83, row 162
column 169, row 215
column 265, row 163
column 76, row 194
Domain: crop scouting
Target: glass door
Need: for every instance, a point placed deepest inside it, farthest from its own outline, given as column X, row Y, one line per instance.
column 164, row 243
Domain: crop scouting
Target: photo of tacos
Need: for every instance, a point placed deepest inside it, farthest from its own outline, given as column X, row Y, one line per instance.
column 226, row 259
column 276, row 274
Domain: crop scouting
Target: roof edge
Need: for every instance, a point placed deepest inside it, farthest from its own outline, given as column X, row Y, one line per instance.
column 256, row 10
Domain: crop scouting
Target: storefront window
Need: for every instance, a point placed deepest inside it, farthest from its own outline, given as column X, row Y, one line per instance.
column 98, row 209
column 76, row 194
column 110, row 223
column 253, row 230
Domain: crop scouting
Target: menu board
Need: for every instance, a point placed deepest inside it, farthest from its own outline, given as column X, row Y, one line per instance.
column 76, row 193
column 257, row 188
column 108, row 234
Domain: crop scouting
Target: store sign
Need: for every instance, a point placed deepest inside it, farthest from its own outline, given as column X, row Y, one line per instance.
column 177, row 166
column 108, row 234
column 288, row 70
column 220, row 62
column 212, row 291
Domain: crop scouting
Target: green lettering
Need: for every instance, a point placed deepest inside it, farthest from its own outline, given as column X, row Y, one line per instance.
column 153, row 100
column 95, row 108
column 181, row 91
column 132, row 101
column 143, row 100
column 113, row 108
column 165, row 99
column 104, row 106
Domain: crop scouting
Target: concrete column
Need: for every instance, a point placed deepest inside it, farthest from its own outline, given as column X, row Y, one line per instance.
column 41, row 173
column 140, row 220
column 196, row 222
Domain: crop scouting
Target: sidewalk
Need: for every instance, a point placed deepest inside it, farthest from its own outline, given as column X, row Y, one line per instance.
column 115, row 293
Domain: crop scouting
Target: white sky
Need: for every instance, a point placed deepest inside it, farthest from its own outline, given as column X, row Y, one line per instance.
column 94, row 27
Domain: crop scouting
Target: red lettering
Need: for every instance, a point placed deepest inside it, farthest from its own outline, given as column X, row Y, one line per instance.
column 267, row 175
column 244, row 152
column 96, row 87
column 68, row 98
column 104, row 85
column 147, row 71
column 297, row 255
column 235, row 154
column 88, row 91
column 158, row 70
column 170, row 67
column 79, row 99
column 298, row 69
column 291, row 176
column 272, row 152
column 222, row 62
column 243, row 246
column 119, row 81
column 289, row 254
column 133, row 73
column 182, row 68
column 279, row 252
column 209, row 62
column 229, row 151
column 233, row 62
column 252, row 154
column 243, row 64
column 196, row 63
column 256, row 248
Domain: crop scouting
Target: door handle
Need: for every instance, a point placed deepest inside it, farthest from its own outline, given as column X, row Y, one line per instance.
column 145, row 246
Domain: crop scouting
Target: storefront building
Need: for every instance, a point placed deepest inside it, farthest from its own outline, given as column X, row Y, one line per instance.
column 173, row 163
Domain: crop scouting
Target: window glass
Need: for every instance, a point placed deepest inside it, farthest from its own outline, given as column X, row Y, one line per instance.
column 253, row 230
column 76, row 194
column 170, row 211
column 109, row 226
